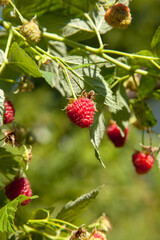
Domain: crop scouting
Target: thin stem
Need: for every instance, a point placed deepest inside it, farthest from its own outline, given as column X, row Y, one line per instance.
column 108, row 3
column 8, row 80
column 156, row 64
column 46, row 222
column 2, row 67
column 120, row 64
column 70, row 43
column 150, row 136
column 119, row 80
column 64, row 222
column 9, row 40
column 30, row 229
column 23, row 20
column 95, row 29
column 10, row 36
column 129, row 54
column 69, row 82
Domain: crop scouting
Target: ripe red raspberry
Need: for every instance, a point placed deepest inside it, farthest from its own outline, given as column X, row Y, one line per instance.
column 118, row 16
column 98, row 235
column 17, row 187
column 115, row 136
column 9, row 112
column 81, row 112
column 143, row 162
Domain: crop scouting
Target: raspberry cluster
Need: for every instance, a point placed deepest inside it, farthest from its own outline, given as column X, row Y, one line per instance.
column 81, row 112
column 142, row 162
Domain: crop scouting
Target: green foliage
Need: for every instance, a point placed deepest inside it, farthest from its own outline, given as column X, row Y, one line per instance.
column 74, row 208
column 155, row 44
column 97, row 131
column 21, row 62
column 7, row 214
column 71, row 57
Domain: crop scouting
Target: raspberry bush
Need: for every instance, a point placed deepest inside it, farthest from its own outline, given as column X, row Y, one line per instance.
column 62, row 45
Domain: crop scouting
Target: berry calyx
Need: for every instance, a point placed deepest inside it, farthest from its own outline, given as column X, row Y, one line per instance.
column 143, row 162
column 81, row 111
column 98, row 235
column 9, row 112
column 115, row 136
column 31, row 31
column 17, row 187
column 118, row 16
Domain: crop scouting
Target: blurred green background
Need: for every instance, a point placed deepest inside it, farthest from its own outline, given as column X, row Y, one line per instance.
column 64, row 166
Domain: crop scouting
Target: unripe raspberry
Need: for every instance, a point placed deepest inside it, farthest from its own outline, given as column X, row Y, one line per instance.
column 9, row 112
column 98, row 235
column 81, row 111
column 115, row 136
column 17, row 187
column 31, row 31
column 142, row 162
column 118, row 16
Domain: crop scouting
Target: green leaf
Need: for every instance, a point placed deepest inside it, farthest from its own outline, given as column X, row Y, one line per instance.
column 8, row 167
column 74, row 208
column 49, row 77
column 7, row 214
column 147, row 85
column 99, row 21
column 144, row 114
column 97, row 131
column 121, row 116
column 1, row 106
column 155, row 44
column 87, row 76
column 30, row 8
column 20, row 61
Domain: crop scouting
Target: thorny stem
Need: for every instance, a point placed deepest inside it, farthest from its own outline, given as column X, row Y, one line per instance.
column 98, row 52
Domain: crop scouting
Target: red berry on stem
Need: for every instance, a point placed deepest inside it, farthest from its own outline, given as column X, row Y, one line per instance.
column 9, row 112
column 17, row 187
column 118, row 16
column 81, row 112
column 115, row 136
column 142, row 162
